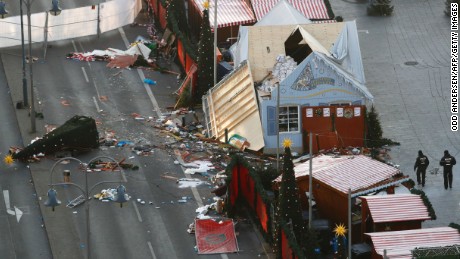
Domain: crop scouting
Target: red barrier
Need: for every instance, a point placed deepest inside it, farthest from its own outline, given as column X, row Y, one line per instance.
column 181, row 53
column 215, row 237
column 154, row 4
column 286, row 252
column 188, row 64
column 162, row 16
column 234, row 186
column 261, row 210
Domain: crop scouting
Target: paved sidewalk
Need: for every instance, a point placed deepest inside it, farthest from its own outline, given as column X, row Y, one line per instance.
column 413, row 101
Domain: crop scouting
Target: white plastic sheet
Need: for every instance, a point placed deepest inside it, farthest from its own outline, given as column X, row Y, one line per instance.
column 71, row 23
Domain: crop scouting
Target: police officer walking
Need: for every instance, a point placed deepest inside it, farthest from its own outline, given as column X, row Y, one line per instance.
column 421, row 164
column 447, row 161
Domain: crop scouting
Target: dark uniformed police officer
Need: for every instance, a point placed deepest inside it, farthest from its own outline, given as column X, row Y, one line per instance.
column 421, row 163
column 447, row 161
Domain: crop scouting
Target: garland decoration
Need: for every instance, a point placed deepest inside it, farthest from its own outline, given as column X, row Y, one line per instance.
column 426, row 201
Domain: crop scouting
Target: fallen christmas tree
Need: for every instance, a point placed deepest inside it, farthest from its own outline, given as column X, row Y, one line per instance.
column 78, row 133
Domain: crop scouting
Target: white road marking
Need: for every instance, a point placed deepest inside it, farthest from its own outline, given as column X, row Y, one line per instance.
column 97, row 90
column 194, row 191
column 74, row 47
column 6, row 196
column 151, row 250
column 9, row 210
column 97, row 105
column 87, row 78
column 150, row 94
column 123, row 36
column 18, row 213
column 137, row 212
column 141, row 75
column 84, row 74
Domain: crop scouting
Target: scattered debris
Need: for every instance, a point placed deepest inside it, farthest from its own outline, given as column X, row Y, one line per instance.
column 189, row 182
column 108, row 195
column 149, row 81
column 75, row 202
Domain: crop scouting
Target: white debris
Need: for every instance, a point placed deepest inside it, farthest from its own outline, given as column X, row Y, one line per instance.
column 198, row 167
column 189, row 182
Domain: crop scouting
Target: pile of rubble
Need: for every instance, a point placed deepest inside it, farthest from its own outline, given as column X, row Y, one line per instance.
column 283, row 68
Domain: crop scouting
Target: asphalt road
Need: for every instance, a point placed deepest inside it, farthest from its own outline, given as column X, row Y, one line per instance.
column 64, row 88
column 20, row 217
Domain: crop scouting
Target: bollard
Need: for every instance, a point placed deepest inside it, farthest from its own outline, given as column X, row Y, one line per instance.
column 66, row 174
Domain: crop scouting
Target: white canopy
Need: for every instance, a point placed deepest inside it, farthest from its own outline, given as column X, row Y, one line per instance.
column 347, row 53
column 283, row 13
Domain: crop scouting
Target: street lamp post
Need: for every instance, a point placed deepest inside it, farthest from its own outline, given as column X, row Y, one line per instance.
column 25, row 101
column 32, row 103
column 3, row 13
column 53, row 202
column 55, row 10
column 215, row 42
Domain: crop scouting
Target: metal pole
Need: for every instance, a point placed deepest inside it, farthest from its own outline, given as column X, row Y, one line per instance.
column 88, row 233
column 349, row 223
column 24, row 77
column 310, row 181
column 278, row 130
column 98, row 20
column 215, row 42
column 32, row 110
column 45, row 36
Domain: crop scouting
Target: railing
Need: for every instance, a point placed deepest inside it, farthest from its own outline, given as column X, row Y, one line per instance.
column 71, row 23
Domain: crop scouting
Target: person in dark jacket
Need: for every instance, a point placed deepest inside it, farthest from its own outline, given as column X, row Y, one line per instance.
column 447, row 161
column 421, row 164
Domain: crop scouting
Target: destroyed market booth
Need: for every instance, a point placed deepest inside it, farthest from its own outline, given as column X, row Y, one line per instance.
column 312, row 72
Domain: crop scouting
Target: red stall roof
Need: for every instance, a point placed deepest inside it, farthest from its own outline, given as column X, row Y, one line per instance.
column 396, row 207
column 229, row 12
column 398, row 244
column 360, row 173
column 312, row 9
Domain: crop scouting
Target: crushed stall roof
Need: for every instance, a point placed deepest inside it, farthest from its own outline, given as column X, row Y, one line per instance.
column 260, row 48
column 398, row 244
column 360, row 173
column 396, row 207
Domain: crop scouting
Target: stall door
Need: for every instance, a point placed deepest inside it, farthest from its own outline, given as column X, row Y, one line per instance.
column 333, row 126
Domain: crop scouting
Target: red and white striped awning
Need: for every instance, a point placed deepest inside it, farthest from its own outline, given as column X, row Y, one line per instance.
column 398, row 244
column 359, row 173
column 396, row 207
column 229, row 12
column 312, row 9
